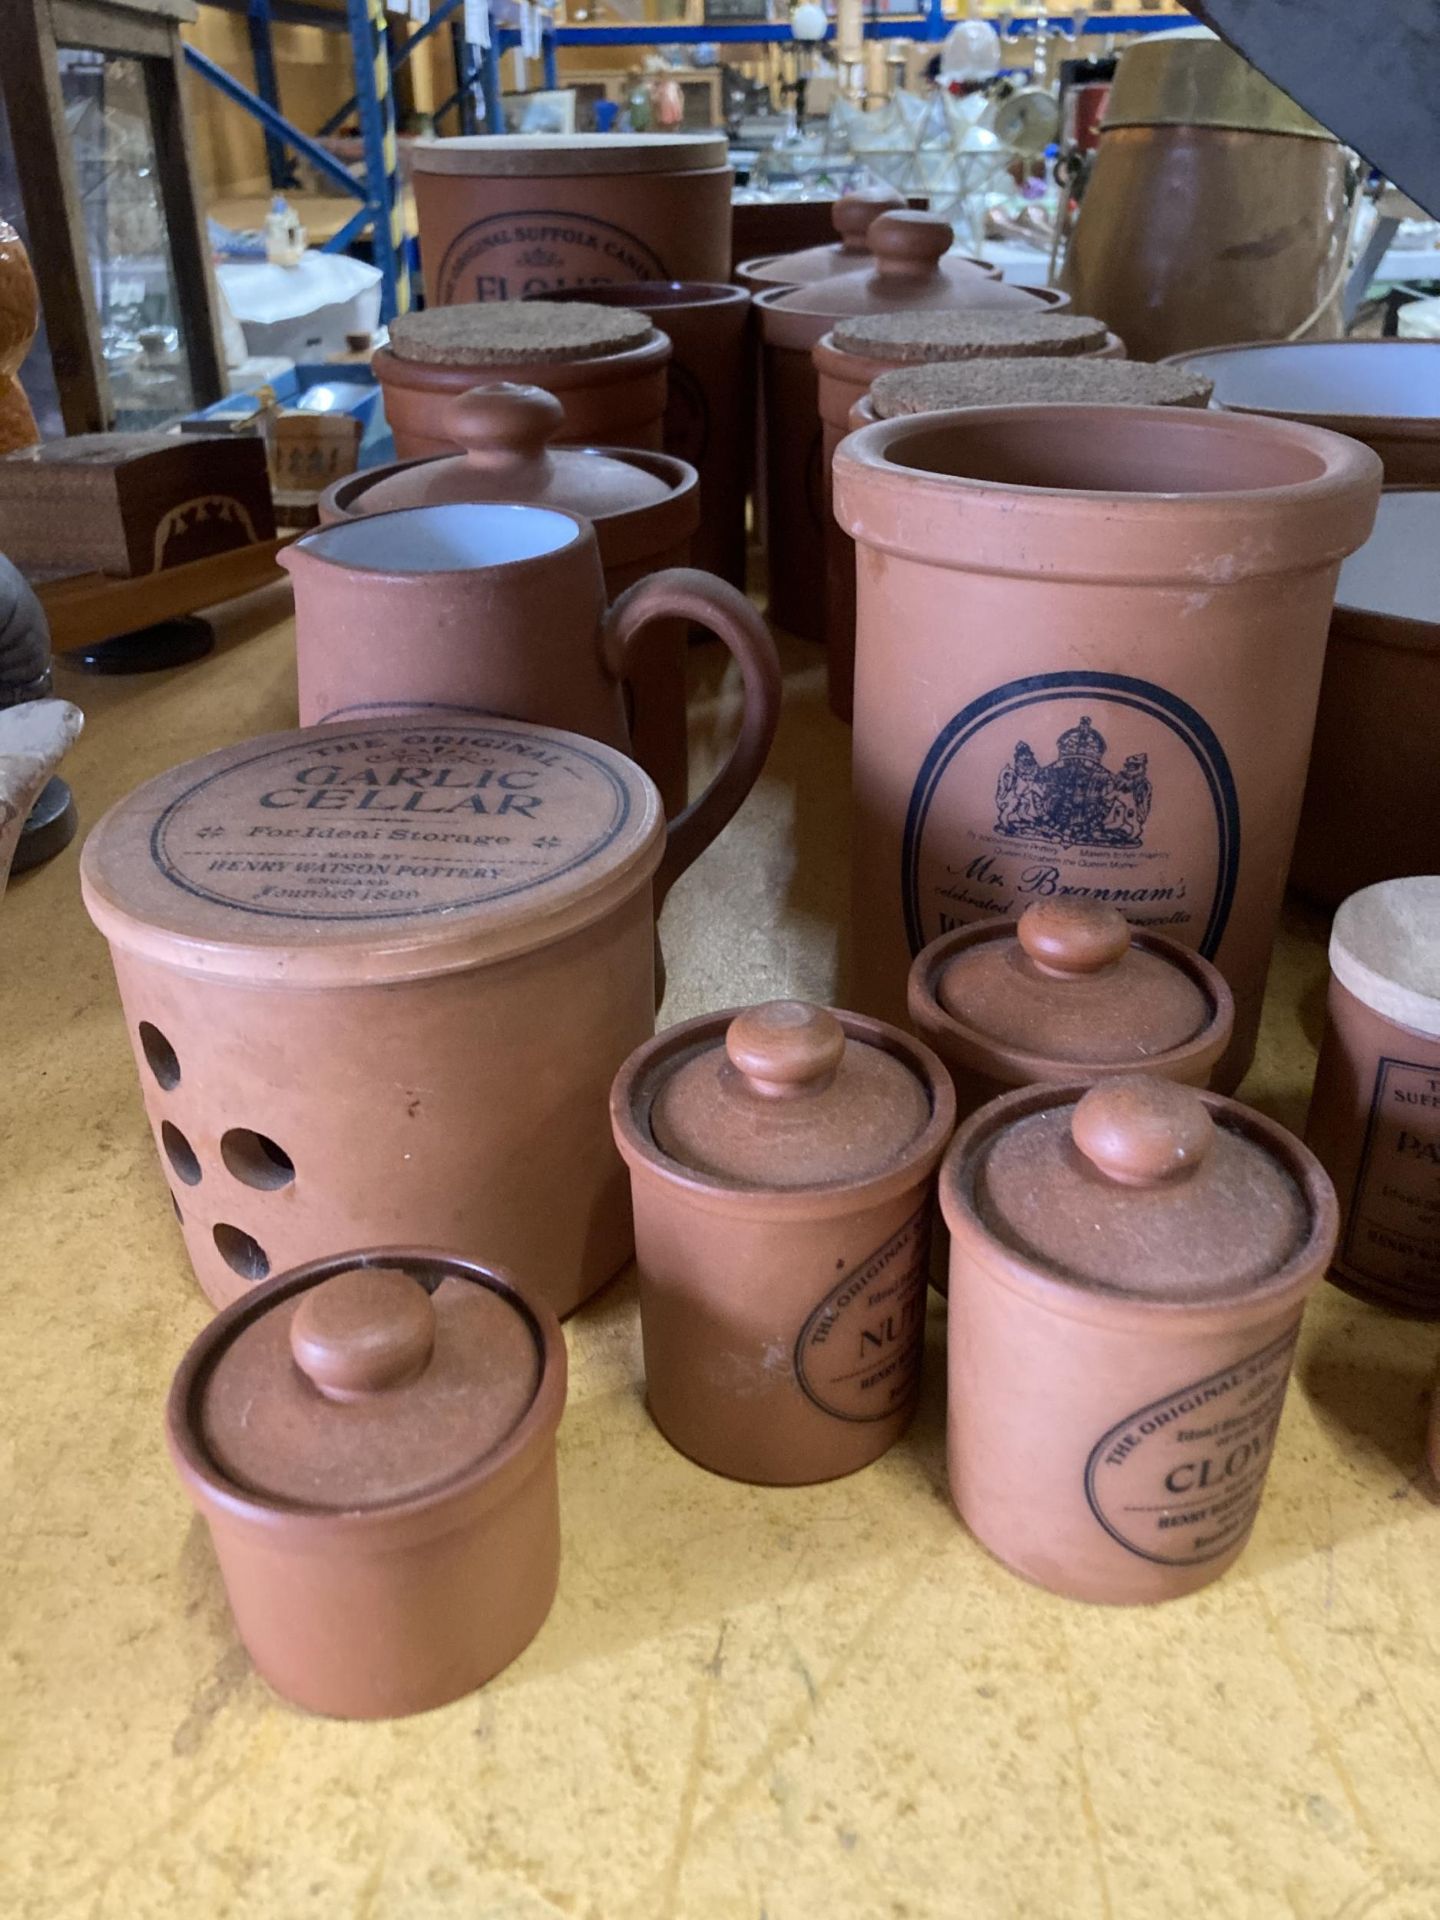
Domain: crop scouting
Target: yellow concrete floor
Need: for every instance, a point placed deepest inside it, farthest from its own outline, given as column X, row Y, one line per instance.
column 824, row 1704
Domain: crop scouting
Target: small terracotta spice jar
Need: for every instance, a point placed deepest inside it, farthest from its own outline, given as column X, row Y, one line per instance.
column 378, row 979
column 1068, row 992
column 781, row 1161
column 605, row 365
column 852, row 216
column 644, row 507
column 1128, row 1267
column 503, row 216
column 1375, row 1113
column 371, row 1442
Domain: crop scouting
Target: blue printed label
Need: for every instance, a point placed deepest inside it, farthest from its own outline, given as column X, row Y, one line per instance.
column 509, row 256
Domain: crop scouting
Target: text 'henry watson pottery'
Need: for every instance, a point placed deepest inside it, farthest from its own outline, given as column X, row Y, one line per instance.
column 644, row 508
column 1375, row 1114
column 1088, row 649
column 1128, row 1267
column 605, row 365
column 378, row 980
column 1375, row 733
column 781, row 1162
column 503, row 216
column 371, row 1442
column 501, row 609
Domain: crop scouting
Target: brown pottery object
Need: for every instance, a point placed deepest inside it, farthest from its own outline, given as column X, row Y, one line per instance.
column 19, row 318
column 605, row 365
column 710, row 405
column 1088, row 650
column 781, row 1162
column 1068, row 992
column 644, row 507
column 910, row 270
column 1375, row 1114
column 501, row 609
column 1372, row 799
column 503, row 216
column 371, row 1442
column 1080, row 380
column 857, row 352
column 378, row 979
column 1384, row 392
column 1128, row 1266
column 852, row 217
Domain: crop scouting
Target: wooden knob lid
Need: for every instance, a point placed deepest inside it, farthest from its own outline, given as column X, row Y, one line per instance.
column 502, row 424
column 1141, row 1132
column 853, row 215
column 362, row 1332
column 909, row 243
column 785, row 1048
column 1067, row 939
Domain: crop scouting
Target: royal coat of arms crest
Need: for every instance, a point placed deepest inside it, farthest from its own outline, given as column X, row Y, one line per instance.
column 1074, row 800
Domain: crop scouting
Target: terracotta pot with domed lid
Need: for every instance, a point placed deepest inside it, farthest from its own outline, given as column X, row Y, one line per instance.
column 852, row 217
column 781, row 1164
column 1128, row 1267
column 911, row 270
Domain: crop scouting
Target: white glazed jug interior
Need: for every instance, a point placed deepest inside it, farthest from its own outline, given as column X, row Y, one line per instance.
column 1375, row 378
column 1397, row 571
column 443, row 539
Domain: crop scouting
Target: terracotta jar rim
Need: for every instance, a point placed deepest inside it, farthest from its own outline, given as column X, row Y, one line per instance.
column 309, row 546
column 1076, row 1300
column 888, row 497
column 1418, row 426
column 980, row 1053
column 453, row 1503
column 601, row 370
column 647, row 1068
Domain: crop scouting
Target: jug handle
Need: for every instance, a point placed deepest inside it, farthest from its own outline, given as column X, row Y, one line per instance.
column 685, row 593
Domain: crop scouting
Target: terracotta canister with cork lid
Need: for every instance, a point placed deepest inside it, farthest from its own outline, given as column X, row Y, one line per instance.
column 503, row 216
column 910, row 270
column 605, row 365
column 378, row 979
column 1008, row 380
column 782, row 1162
column 371, row 1442
column 644, row 507
column 1128, row 1267
column 1067, row 992
column 1375, row 1113
column 852, row 216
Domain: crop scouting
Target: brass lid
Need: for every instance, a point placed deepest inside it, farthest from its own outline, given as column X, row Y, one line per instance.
column 1190, row 79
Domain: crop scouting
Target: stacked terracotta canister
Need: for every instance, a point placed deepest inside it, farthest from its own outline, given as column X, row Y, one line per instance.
column 391, row 979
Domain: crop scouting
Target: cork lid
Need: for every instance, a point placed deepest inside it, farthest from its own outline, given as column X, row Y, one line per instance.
column 922, row 338
column 1069, row 986
column 553, row 155
column 782, row 1096
column 364, row 1382
column 910, row 269
column 508, row 333
column 1140, row 1187
column 354, row 854
column 506, row 431
column 1385, row 949
column 999, row 382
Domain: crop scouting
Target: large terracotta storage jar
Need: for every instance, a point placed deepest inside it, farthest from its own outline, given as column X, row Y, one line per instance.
column 1372, row 799
column 503, row 216
column 1088, row 651
column 910, row 271
column 1384, row 392
column 606, row 366
column 1375, row 1114
column 852, row 216
column 782, row 1162
column 378, row 980
column 371, row 1442
column 1128, row 1268
column 644, row 507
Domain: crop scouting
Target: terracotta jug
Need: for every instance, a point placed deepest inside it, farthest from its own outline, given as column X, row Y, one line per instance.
column 501, row 609
column 1089, row 643
column 852, row 217
column 19, row 318
column 1128, row 1268
column 644, row 507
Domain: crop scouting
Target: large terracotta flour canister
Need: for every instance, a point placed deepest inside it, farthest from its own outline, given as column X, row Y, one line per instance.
column 1128, row 1268
column 378, row 979
column 1088, row 650
column 1375, row 1115
column 852, row 215
column 605, row 365
column 503, row 216
column 782, row 1161
column 910, row 270
column 371, row 1441
column 644, row 507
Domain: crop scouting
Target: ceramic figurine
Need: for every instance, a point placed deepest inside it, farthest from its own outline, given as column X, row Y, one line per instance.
column 19, row 319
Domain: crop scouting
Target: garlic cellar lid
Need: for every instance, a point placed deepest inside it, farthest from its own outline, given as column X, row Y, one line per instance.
column 349, row 854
